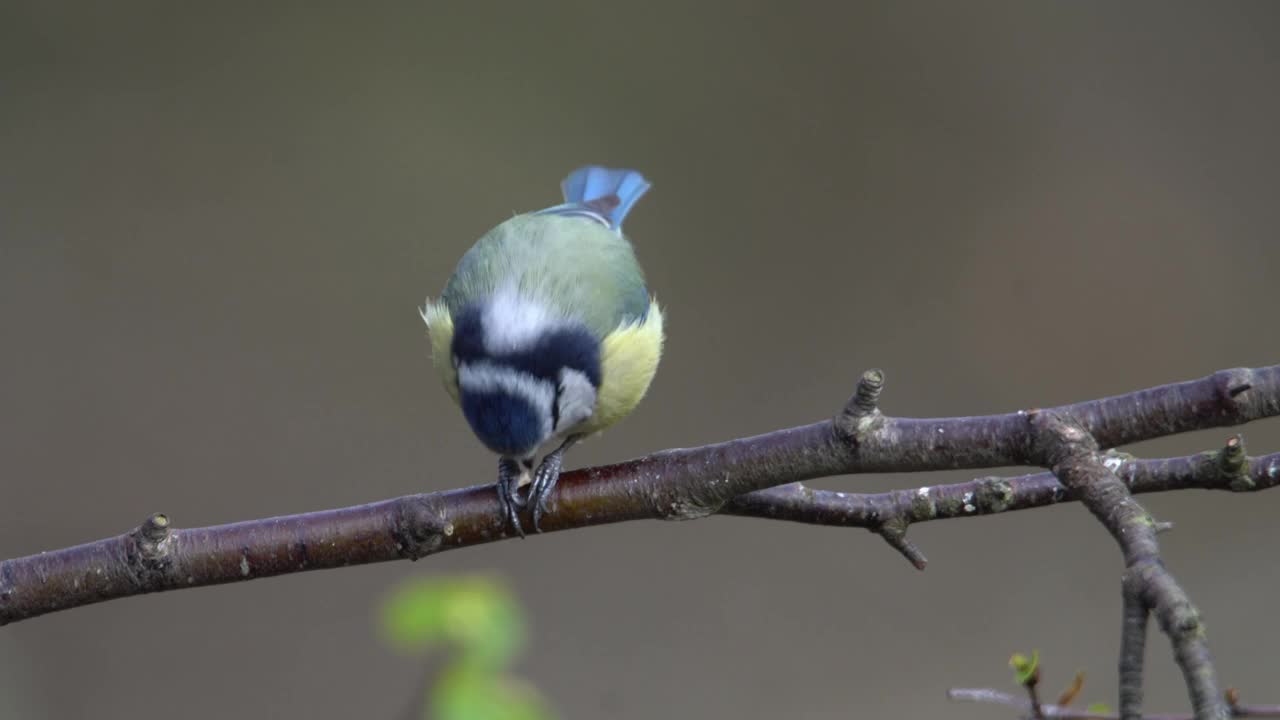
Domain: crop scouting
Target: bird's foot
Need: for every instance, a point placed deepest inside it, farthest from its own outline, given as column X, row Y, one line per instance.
column 545, row 479
column 509, row 476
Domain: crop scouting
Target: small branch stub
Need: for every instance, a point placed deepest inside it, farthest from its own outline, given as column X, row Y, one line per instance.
column 862, row 409
column 149, row 552
column 155, row 529
column 895, row 533
column 1233, row 463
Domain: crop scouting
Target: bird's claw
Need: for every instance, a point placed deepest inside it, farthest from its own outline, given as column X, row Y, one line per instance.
column 543, row 481
column 509, row 475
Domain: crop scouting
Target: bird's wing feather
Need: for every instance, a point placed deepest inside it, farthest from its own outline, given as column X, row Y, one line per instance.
column 440, row 329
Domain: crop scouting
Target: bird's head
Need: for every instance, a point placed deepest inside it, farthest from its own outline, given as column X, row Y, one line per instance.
column 525, row 375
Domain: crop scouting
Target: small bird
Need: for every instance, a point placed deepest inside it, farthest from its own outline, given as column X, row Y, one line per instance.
column 546, row 333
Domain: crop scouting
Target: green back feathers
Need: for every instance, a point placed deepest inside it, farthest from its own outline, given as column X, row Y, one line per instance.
column 574, row 265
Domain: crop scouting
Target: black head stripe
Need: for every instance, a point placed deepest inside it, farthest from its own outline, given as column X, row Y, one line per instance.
column 468, row 334
column 571, row 347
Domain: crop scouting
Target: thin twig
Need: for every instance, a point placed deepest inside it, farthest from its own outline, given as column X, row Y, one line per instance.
column 1133, row 645
column 1058, row 712
column 1033, row 695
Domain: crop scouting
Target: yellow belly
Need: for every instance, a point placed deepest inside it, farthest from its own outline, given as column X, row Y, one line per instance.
column 628, row 360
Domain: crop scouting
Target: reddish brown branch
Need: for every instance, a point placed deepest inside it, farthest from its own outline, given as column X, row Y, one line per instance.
column 675, row 484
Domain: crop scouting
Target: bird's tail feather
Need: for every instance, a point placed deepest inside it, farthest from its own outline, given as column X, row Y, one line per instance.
column 611, row 192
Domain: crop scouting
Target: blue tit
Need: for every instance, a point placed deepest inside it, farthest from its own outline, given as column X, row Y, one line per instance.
column 546, row 333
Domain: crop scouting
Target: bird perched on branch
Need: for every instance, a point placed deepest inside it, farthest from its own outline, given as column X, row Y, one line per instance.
column 546, row 332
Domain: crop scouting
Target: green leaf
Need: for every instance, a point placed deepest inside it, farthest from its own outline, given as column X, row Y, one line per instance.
column 1098, row 709
column 476, row 615
column 1024, row 668
column 465, row 692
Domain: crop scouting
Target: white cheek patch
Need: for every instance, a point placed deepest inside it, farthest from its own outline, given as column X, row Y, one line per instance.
column 486, row 377
column 512, row 323
column 577, row 398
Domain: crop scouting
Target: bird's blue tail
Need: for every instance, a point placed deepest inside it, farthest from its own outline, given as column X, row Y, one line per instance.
column 609, row 192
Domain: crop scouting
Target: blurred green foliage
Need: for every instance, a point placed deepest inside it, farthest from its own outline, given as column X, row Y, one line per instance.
column 476, row 625
column 1025, row 669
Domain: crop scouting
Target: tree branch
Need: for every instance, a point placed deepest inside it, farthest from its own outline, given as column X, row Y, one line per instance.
column 1133, row 645
column 1228, row 469
column 673, row 485
column 1147, row 585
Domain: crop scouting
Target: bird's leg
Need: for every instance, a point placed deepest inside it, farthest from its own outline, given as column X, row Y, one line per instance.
column 545, row 479
column 509, row 476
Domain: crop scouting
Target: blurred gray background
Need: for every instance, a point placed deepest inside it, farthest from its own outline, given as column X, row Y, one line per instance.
column 216, row 224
